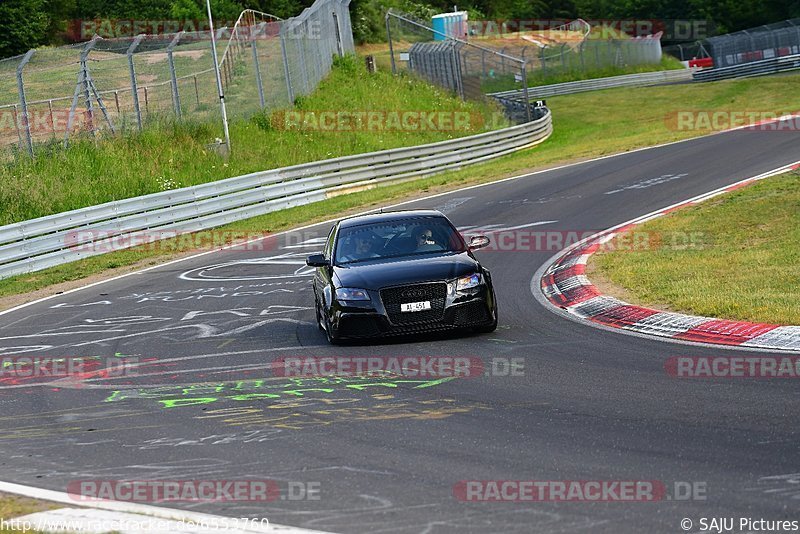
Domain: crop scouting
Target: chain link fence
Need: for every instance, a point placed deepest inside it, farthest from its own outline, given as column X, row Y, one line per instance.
column 487, row 65
column 464, row 68
column 104, row 87
column 687, row 51
column 756, row 44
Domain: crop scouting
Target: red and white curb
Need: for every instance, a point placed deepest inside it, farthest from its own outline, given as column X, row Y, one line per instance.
column 105, row 516
column 564, row 284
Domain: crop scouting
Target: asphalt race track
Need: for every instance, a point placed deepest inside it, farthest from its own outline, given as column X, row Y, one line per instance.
column 387, row 454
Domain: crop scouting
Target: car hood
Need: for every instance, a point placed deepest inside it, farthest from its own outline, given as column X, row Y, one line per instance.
column 377, row 274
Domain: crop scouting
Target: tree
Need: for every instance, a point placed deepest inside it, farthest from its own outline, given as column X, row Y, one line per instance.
column 23, row 25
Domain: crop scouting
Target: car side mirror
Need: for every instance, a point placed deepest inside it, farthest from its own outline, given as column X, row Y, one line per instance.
column 317, row 260
column 478, row 241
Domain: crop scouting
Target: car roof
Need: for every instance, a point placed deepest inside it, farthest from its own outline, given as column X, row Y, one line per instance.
column 388, row 216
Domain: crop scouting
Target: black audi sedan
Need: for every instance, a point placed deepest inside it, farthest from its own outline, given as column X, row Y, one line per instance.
column 400, row 272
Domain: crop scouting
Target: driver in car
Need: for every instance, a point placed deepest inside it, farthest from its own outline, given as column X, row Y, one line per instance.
column 424, row 237
column 361, row 246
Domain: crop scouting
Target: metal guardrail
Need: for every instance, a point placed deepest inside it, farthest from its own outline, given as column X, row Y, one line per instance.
column 627, row 80
column 40, row 243
column 755, row 68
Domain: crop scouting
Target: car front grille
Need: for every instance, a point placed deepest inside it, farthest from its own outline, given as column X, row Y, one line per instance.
column 393, row 297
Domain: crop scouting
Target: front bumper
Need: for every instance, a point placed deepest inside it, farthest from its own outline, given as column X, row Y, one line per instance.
column 371, row 319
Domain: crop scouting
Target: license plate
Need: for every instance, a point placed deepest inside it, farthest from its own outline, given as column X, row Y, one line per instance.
column 415, row 306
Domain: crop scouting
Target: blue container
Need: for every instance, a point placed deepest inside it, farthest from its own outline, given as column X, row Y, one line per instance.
column 449, row 25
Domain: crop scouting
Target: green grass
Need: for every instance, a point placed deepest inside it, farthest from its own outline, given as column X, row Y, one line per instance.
column 171, row 155
column 743, row 261
column 13, row 506
column 586, row 125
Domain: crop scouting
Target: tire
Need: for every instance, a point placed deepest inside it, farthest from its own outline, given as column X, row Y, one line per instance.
column 333, row 339
column 491, row 327
column 318, row 316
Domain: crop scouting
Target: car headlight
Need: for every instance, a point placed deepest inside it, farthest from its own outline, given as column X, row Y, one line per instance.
column 468, row 282
column 351, row 293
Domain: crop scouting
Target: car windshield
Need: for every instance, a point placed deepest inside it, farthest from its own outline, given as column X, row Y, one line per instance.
column 406, row 237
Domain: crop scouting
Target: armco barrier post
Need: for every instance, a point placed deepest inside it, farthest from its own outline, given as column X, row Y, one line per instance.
column 134, row 88
column 23, row 101
column 176, row 97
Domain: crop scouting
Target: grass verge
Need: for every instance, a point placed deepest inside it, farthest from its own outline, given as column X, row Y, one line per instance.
column 551, row 76
column 742, row 261
column 15, row 506
column 634, row 118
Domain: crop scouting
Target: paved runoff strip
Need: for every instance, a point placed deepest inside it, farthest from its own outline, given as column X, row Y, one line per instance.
column 564, row 284
column 105, row 516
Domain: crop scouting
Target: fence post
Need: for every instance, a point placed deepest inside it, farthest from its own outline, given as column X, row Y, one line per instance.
column 525, row 90
column 303, row 71
column 543, row 61
column 282, row 35
column 83, row 81
column 458, row 73
column 223, row 63
column 338, row 31
column 391, row 48
column 23, row 101
column 134, row 88
column 176, row 97
column 52, row 118
column 259, row 82
column 16, row 123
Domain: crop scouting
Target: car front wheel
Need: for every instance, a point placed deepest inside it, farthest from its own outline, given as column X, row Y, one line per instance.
column 491, row 327
column 333, row 339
